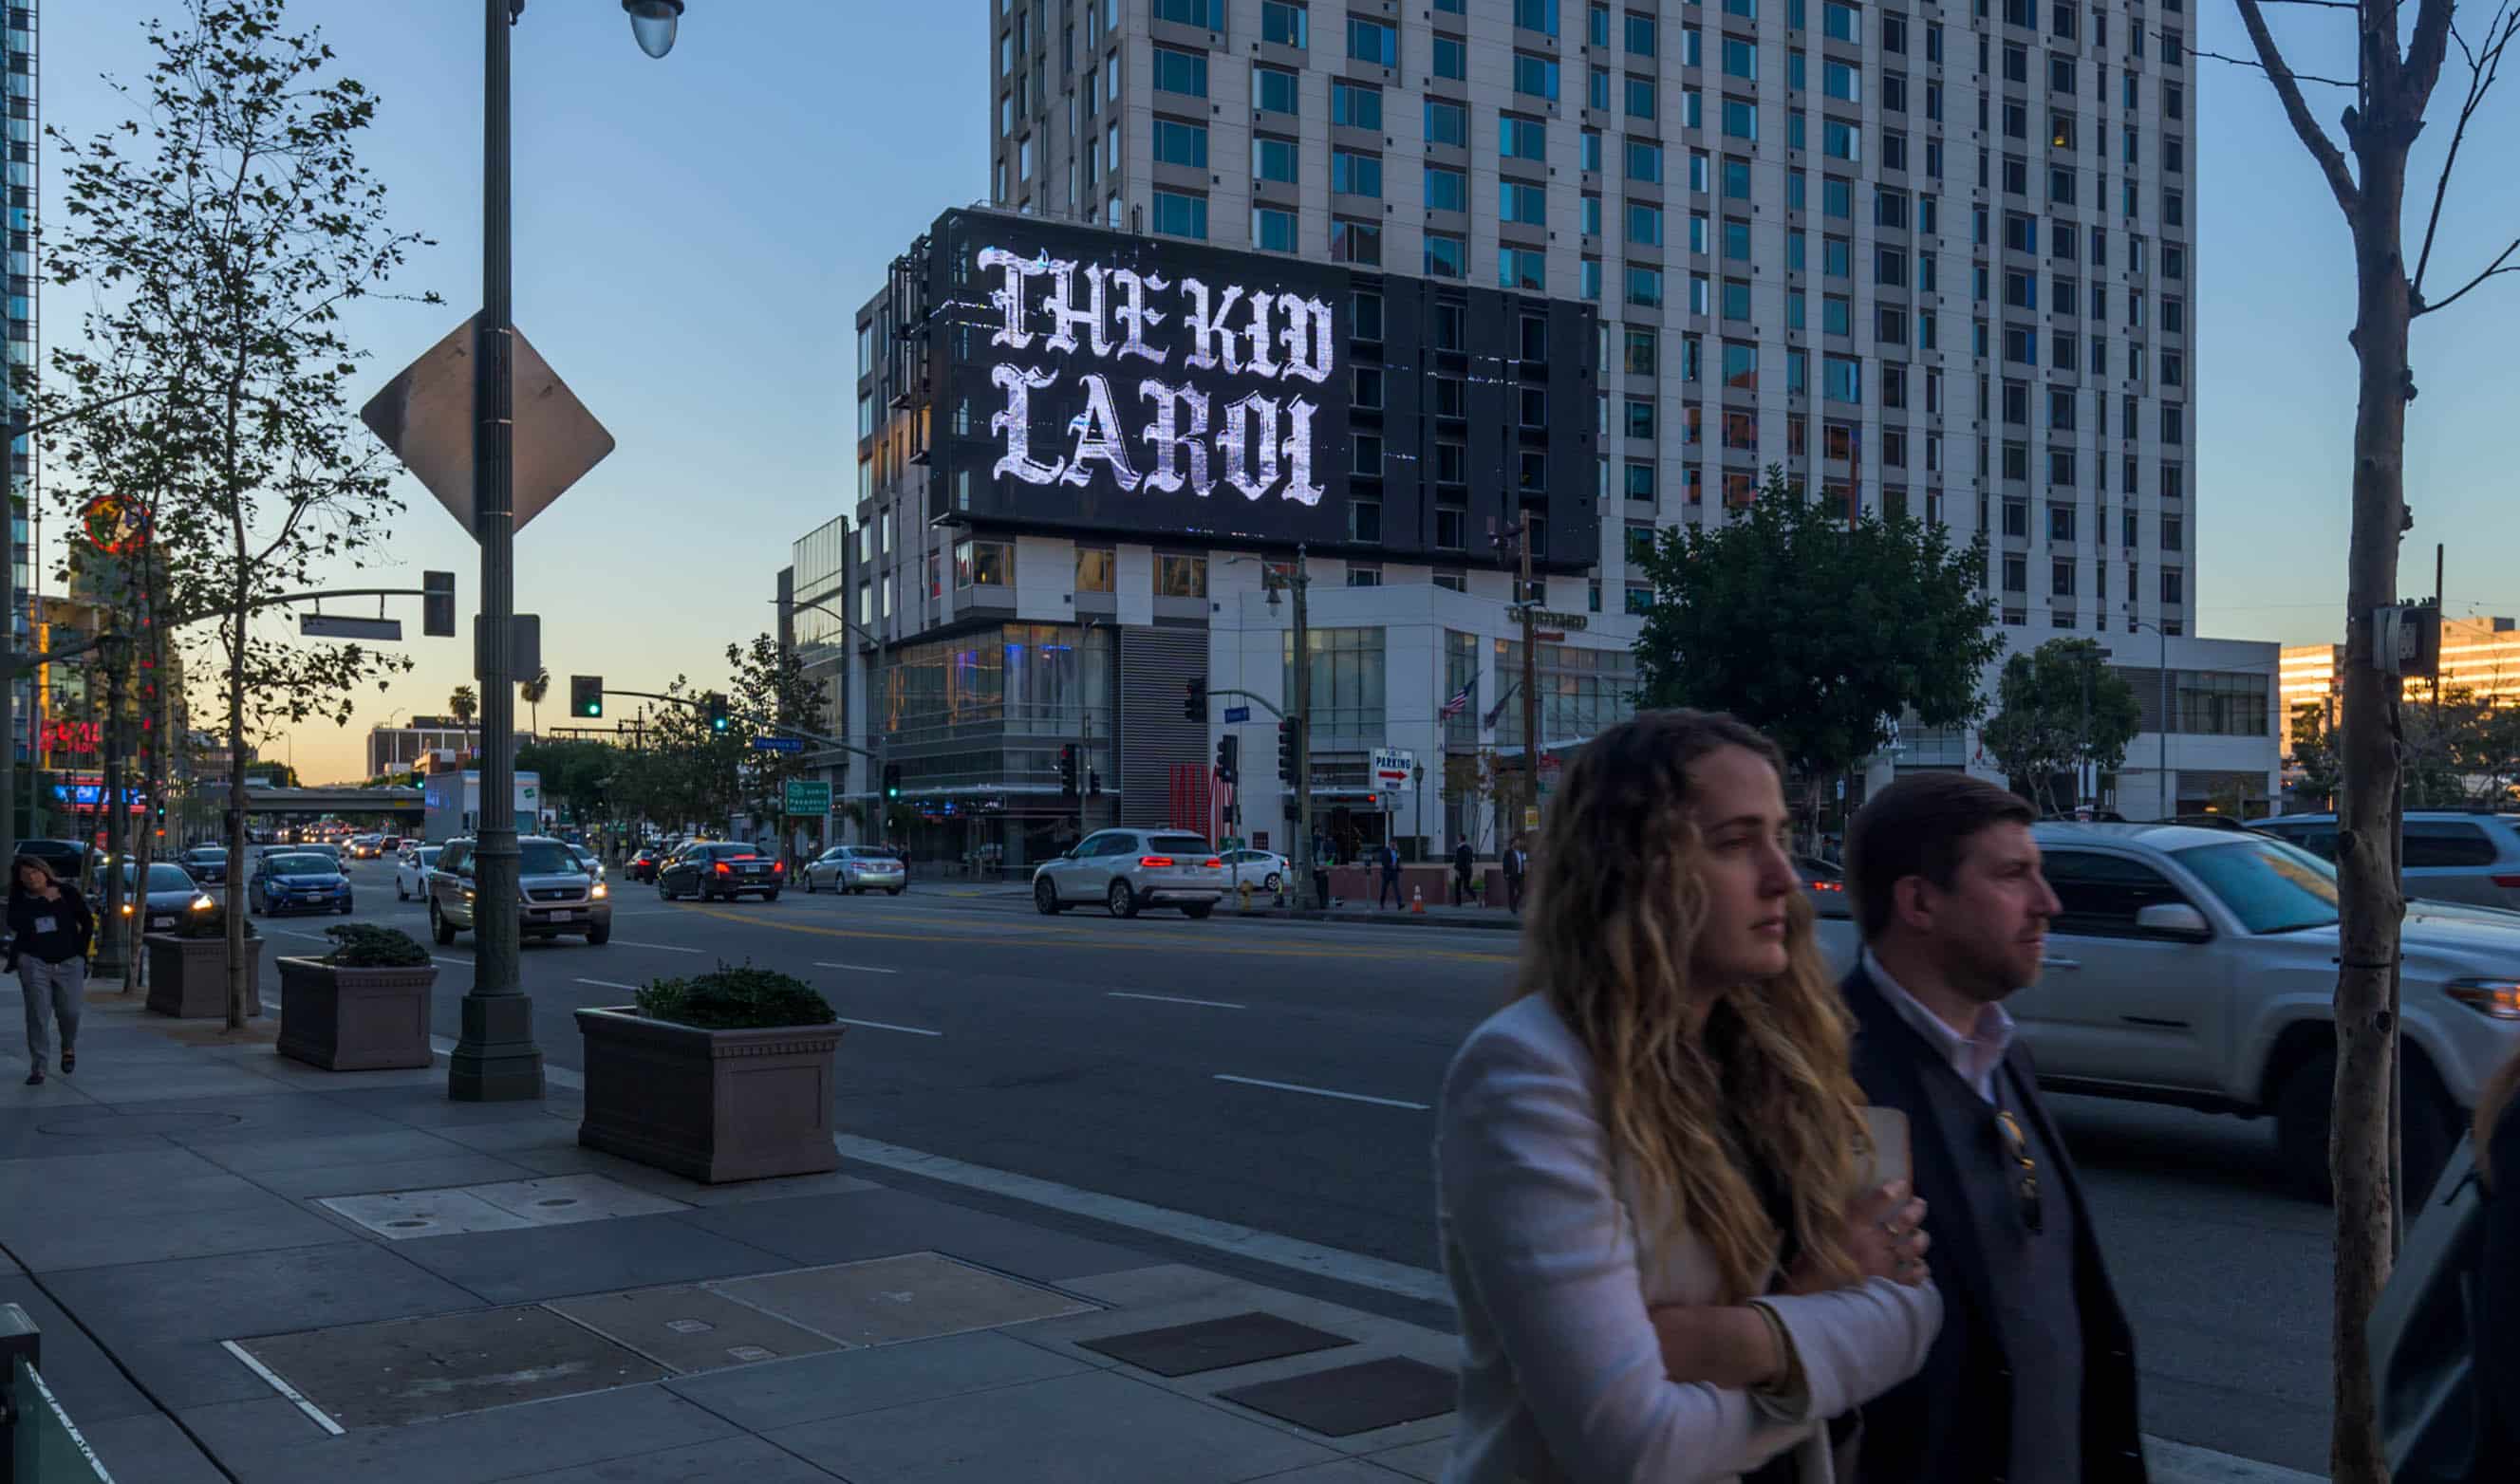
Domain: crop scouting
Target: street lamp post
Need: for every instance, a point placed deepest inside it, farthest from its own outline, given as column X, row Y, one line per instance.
column 2169, row 789
column 496, row 1059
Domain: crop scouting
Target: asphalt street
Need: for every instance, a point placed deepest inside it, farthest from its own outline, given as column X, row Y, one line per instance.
column 1280, row 1076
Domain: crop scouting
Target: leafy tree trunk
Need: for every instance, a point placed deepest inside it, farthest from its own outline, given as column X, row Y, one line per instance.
column 234, row 679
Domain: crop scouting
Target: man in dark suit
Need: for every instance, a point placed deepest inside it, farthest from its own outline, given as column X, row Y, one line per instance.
column 2032, row 1379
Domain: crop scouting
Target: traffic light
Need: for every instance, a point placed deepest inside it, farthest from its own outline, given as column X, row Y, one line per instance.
column 1093, row 782
column 1195, row 699
column 1228, row 753
column 713, row 708
column 586, row 695
column 892, row 780
column 1067, row 769
column 437, row 604
column 1291, row 750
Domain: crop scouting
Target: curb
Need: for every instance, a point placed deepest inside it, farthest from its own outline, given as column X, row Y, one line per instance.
column 2172, row 1463
column 1503, row 923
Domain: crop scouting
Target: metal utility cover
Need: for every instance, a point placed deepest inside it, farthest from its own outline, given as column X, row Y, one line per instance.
column 1215, row 1344
column 560, row 1199
column 411, row 1369
column 405, row 1214
column 692, row 1329
column 425, row 415
column 1348, row 1400
column 898, row 1299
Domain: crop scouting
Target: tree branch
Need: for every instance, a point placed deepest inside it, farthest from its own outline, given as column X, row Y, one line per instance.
column 2260, row 66
column 2331, row 161
column 2482, row 70
column 2501, row 264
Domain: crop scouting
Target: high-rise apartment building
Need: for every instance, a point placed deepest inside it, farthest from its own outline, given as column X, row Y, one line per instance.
column 18, row 87
column 1925, row 257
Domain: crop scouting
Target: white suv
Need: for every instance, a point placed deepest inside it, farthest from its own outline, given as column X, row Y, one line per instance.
column 1125, row 869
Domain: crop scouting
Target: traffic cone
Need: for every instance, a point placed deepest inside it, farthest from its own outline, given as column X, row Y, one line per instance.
column 1418, row 900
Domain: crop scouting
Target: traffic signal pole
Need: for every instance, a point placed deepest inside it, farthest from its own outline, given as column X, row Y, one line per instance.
column 1303, row 780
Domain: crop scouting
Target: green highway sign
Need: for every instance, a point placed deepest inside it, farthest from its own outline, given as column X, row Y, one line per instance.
column 1232, row 842
column 809, row 796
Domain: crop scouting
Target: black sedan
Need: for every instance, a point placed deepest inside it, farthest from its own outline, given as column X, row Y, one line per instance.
column 298, row 881
column 642, row 865
column 206, row 864
column 726, row 871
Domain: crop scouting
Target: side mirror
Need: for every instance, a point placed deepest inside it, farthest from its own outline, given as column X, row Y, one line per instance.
column 2176, row 919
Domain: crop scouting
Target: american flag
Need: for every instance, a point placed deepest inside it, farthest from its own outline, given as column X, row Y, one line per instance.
column 1461, row 700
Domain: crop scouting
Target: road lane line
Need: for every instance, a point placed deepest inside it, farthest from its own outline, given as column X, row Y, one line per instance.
column 1321, row 1092
column 435, row 959
column 1122, row 994
column 660, row 947
column 291, row 933
column 609, row 984
column 907, row 1030
column 864, row 968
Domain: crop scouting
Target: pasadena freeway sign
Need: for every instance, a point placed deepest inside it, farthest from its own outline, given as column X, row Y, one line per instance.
column 1102, row 317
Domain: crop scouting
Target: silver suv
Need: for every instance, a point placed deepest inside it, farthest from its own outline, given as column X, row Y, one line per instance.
column 2450, row 856
column 1125, row 869
column 557, row 897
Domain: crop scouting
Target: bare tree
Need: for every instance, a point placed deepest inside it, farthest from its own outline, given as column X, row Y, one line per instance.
column 2397, row 71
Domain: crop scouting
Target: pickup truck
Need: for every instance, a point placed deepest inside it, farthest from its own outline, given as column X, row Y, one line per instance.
column 2197, row 968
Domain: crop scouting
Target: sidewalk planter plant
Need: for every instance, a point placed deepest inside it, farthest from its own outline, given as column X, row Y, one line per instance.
column 188, row 968
column 722, row 1076
column 363, row 1006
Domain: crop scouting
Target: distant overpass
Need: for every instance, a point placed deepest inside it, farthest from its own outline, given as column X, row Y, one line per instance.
column 314, row 804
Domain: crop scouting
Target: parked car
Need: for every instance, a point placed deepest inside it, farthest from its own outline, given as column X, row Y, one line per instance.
column 297, row 880
column 173, row 892
column 2197, row 968
column 1126, row 869
column 1825, row 885
column 2450, row 856
column 411, row 871
column 556, row 897
column 593, row 863
column 853, row 869
column 720, row 869
column 67, row 858
column 642, row 866
column 206, row 863
column 1263, row 869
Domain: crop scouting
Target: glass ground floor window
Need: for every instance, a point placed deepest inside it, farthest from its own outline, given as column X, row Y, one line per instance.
column 1581, row 692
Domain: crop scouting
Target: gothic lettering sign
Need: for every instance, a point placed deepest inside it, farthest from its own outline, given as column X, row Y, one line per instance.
column 1142, row 386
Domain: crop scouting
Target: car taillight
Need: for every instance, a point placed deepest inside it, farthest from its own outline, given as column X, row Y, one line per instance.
column 1155, row 862
column 779, row 868
column 723, row 869
column 1215, row 864
column 2507, row 883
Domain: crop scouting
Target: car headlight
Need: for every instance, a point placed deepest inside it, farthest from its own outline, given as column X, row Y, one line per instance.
column 467, row 893
column 600, row 891
column 203, row 903
column 2494, row 998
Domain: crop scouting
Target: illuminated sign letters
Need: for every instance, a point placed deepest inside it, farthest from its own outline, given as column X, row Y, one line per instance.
column 1145, row 432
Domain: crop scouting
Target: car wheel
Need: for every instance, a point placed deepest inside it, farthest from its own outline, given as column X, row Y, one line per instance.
column 2303, row 1108
column 252, row 905
column 1197, row 910
column 345, row 907
column 892, row 891
column 400, row 895
column 771, row 895
column 809, row 884
column 599, row 935
column 1044, row 898
column 1123, row 901
column 1274, row 883
column 438, row 928
column 664, row 893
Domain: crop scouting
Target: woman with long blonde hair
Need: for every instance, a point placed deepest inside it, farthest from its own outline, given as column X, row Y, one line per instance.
column 1654, row 1210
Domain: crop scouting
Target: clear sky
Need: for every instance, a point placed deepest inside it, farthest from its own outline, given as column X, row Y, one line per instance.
column 694, row 235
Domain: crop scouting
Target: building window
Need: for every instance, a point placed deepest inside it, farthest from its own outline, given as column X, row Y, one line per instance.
column 1449, row 190
column 1376, row 42
column 1274, row 89
column 1180, row 144
column 1282, row 24
column 1178, row 71
column 1354, row 174
column 1521, row 138
column 1446, row 256
column 1356, row 242
column 1272, row 229
column 1095, row 569
column 1451, row 58
column 1273, row 159
column 1447, row 124
column 1181, row 576
column 1356, row 106
column 983, row 564
column 1180, row 215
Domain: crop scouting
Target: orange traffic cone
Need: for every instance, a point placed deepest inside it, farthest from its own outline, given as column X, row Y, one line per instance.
column 1418, row 900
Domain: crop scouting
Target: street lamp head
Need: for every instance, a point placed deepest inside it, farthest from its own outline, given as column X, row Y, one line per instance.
column 652, row 22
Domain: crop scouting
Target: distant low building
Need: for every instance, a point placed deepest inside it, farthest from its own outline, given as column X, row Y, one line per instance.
column 2479, row 656
column 400, row 749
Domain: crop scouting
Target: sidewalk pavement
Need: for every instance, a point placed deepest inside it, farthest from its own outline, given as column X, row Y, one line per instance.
column 1348, row 911
column 245, row 1269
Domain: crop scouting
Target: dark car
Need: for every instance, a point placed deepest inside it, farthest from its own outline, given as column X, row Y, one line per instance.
column 206, row 864
column 67, row 858
column 298, row 881
column 642, row 865
column 715, row 868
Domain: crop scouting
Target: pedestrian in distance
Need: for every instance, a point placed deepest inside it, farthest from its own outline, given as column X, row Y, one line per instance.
column 1668, row 1256
column 2032, row 1380
column 1388, row 858
column 1462, row 861
column 49, row 927
column 1517, row 865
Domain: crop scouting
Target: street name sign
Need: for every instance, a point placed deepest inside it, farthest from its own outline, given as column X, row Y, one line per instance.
column 809, row 796
column 1233, row 714
column 343, row 626
column 425, row 415
column 779, row 745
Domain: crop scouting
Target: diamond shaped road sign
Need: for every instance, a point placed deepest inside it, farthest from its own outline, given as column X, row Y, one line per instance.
column 425, row 415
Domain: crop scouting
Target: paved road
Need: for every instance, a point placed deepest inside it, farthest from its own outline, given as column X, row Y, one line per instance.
column 1277, row 1075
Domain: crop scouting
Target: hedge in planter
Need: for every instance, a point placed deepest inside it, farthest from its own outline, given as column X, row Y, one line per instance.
column 722, row 1076
column 188, row 968
column 363, row 1006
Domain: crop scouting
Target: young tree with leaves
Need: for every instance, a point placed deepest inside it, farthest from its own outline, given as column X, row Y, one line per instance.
column 219, row 235
column 2314, row 755
column 2060, row 708
column 2396, row 71
column 1817, row 630
column 772, row 695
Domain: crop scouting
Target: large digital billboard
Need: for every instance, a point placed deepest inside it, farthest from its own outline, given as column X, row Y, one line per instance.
column 1073, row 379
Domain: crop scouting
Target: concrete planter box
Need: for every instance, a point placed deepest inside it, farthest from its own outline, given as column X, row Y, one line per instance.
column 712, row 1105
column 354, row 1019
column 188, row 977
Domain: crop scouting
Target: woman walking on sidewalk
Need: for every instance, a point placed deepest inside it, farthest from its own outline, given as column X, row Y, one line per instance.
column 49, row 926
column 1653, row 1202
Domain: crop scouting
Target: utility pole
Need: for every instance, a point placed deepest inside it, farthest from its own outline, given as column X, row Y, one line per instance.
column 1305, row 866
column 1530, row 680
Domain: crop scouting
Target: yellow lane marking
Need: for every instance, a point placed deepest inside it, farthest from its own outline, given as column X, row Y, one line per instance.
column 1070, row 938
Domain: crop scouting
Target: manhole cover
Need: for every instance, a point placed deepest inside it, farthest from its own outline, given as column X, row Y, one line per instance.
column 565, row 1200
column 409, row 1222
column 123, row 1125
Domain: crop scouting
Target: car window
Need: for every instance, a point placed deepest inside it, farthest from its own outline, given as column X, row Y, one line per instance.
column 2317, row 837
column 299, row 863
column 1099, row 844
column 1177, row 844
column 2098, row 895
column 427, row 857
column 2447, row 842
column 455, row 857
column 2269, row 887
column 164, row 877
column 546, row 858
